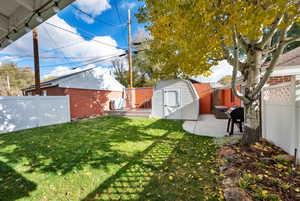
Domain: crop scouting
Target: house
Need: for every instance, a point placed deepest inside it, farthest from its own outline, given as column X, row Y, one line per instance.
column 175, row 99
column 91, row 91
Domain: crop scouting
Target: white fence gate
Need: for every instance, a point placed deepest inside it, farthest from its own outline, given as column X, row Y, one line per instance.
column 23, row 112
column 281, row 116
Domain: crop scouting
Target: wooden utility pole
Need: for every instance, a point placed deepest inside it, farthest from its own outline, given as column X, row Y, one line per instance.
column 130, row 81
column 35, row 38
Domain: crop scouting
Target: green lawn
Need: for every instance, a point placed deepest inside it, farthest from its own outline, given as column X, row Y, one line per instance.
column 109, row 158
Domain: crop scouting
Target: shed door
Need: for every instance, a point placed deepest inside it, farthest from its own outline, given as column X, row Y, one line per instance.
column 172, row 104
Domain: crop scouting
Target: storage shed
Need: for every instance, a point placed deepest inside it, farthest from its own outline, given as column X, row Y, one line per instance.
column 175, row 99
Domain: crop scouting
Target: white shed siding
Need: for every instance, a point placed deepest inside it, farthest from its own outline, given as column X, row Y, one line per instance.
column 188, row 98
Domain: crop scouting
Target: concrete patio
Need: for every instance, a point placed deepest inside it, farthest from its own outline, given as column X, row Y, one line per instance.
column 208, row 125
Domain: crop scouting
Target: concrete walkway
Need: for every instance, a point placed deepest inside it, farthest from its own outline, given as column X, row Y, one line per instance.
column 208, row 125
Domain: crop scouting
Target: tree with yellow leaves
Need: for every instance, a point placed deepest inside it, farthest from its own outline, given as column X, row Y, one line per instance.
column 189, row 36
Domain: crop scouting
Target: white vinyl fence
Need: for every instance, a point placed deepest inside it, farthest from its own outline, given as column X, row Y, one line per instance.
column 24, row 112
column 281, row 116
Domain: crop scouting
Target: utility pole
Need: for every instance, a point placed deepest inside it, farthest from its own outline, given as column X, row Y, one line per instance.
column 130, row 82
column 35, row 38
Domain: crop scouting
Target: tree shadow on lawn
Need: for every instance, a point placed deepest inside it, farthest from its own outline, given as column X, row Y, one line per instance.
column 95, row 142
column 175, row 167
column 13, row 185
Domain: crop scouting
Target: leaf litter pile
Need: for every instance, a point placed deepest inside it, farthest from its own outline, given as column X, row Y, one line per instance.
column 261, row 172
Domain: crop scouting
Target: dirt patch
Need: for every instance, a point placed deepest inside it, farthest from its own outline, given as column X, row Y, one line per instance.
column 262, row 172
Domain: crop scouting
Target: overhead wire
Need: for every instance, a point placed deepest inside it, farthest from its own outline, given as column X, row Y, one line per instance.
column 55, row 44
column 88, row 60
column 100, row 42
column 115, row 5
column 96, row 19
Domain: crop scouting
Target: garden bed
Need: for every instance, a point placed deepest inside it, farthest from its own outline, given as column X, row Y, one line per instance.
column 262, row 172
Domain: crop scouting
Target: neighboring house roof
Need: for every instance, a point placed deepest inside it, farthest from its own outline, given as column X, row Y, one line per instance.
column 93, row 78
column 288, row 63
column 291, row 58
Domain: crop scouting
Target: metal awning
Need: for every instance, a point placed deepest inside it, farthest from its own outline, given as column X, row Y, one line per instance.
column 17, row 17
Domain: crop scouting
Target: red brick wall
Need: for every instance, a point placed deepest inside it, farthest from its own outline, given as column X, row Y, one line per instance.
column 279, row 79
column 51, row 91
column 204, row 92
column 85, row 103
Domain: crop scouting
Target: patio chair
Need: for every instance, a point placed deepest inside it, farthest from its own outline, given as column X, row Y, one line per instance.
column 236, row 116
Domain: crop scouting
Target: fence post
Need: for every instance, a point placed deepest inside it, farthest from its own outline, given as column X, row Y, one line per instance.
column 294, row 115
column 68, row 107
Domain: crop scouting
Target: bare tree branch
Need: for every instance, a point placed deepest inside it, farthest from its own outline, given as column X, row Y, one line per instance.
column 273, row 62
column 291, row 39
column 272, row 31
column 227, row 55
column 236, row 67
column 242, row 41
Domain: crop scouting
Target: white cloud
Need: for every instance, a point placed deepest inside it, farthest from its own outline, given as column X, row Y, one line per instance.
column 126, row 5
column 51, row 38
column 92, row 7
column 8, row 59
column 218, row 72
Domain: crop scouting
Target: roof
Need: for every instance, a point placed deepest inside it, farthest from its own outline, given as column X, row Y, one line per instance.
column 92, row 79
column 288, row 63
column 19, row 16
column 291, row 58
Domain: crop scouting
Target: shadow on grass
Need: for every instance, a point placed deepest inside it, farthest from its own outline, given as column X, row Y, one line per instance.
column 153, row 159
column 13, row 185
column 95, row 142
column 173, row 168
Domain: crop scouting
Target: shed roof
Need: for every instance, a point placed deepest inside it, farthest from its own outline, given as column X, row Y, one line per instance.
column 16, row 16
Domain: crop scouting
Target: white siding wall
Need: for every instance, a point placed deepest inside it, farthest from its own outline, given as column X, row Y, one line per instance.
column 189, row 100
column 24, row 112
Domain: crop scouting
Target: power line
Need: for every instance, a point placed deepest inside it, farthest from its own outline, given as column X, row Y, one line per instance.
column 54, row 42
column 66, row 46
column 121, row 55
column 66, row 30
column 96, row 19
column 120, row 20
column 88, row 60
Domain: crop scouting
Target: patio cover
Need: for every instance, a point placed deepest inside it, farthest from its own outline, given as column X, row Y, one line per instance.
column 17, row 17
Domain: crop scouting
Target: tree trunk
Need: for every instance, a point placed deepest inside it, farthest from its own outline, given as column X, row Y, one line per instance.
column 252, row 129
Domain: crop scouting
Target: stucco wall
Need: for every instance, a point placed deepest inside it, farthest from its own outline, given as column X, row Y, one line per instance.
column 204, row 92
column 142, row 97
column 229, row 99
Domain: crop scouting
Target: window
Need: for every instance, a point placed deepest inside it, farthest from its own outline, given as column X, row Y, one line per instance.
column 172, row 98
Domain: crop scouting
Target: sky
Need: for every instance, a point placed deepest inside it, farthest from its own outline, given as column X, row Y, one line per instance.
column 93, row 42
